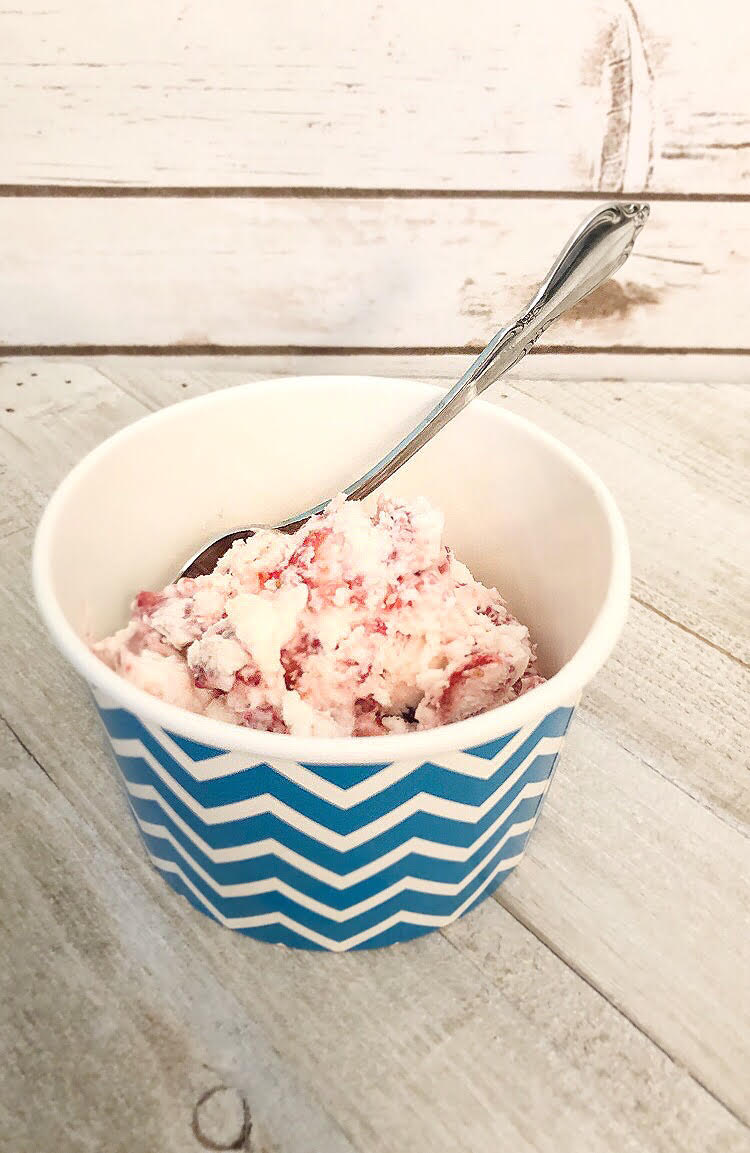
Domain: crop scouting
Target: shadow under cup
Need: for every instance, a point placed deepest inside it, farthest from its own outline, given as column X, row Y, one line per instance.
column 347, row 842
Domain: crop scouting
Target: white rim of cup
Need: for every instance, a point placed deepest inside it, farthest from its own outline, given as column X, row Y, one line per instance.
column 563, row 688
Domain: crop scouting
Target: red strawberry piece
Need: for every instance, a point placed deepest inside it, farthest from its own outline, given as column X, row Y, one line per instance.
column 458, row 676
column 498, row 616
column 308, row 549
column 265, row 718
column 294, row 658
column 146, row 602
column 368, row 717
column 272, row 575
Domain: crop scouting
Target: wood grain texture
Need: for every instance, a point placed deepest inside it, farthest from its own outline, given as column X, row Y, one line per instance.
column 650, row 906
column 113, row 1028
column 124, row 1007
column 616, row 94
column 648, row 862
column 352, row 273
column 600, row 1002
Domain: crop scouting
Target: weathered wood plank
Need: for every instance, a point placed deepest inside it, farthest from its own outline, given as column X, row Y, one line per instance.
column 634, row 855
column 615, row 881
column 691, row 555
column 112, row 1028
column 122, row 1007
column 603, row 96
column 335, row 272
column 680, row 706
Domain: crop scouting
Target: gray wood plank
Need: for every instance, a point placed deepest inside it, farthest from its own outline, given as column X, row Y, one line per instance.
column 647, row 895
column 112, row 1028
column 381, row 272
column 122, row 1007
column 614, row 905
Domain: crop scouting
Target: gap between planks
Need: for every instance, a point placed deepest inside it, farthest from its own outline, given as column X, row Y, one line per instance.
column 596, row 366
column 322, row 192
column 545, row 941
column 691, row 632
column 5, row 720
column 312, row 350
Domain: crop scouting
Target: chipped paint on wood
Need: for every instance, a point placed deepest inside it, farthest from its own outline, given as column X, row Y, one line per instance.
column 619, row 64
column 615, row 300
column 454, row 97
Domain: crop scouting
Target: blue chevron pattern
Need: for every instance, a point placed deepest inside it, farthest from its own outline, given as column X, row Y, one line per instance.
column 333, row 856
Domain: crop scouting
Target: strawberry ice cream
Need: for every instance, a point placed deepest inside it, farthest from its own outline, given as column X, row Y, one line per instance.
column 358, row 624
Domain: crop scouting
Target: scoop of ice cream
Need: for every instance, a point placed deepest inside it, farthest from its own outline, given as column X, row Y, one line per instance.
column 358, row 624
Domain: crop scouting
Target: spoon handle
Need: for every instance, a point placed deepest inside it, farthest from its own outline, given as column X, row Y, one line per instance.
column 600, row 245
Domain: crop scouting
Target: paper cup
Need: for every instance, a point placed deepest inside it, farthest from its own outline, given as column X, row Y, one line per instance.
column 334, row 843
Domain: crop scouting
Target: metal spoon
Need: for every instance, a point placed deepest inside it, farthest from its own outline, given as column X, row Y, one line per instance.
column 600, row 245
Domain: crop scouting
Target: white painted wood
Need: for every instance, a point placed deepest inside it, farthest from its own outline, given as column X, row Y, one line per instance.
column 351, row 273
column 650, row 905
column 481, row 95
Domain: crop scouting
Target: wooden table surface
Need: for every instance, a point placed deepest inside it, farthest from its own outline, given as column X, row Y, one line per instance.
column 192, row 196
column 599, row 1002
